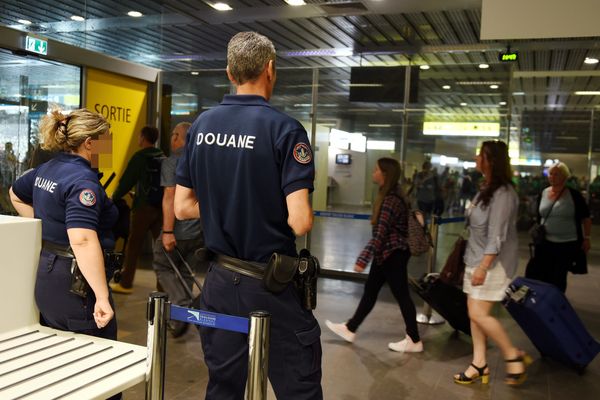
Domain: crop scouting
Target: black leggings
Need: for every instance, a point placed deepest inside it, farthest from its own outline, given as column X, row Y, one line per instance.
column 394, row 272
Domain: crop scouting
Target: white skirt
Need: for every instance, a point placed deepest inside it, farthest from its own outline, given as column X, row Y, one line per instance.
column 493, row 288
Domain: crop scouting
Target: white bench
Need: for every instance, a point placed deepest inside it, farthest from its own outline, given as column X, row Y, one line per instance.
column 42, row 363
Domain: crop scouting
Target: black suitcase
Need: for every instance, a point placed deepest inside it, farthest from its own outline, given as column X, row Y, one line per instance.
column 546, row 316
column 449, row 301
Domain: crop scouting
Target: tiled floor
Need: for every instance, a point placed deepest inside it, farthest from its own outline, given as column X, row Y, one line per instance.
column 367, row 369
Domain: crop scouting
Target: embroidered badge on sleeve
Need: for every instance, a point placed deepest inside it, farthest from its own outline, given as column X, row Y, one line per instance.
column 302, row 153
column 87, row 197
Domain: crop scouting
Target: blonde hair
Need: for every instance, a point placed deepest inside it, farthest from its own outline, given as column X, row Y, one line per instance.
column 562, row 167
column 68, row 132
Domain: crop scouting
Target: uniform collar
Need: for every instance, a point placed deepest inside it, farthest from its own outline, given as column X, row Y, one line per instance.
column 245, row 100
column 73, row 158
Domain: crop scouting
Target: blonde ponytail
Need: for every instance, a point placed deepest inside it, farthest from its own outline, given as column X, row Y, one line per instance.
column 68, row 132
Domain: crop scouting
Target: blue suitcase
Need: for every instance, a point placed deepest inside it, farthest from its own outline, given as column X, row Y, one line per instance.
column 545, row 315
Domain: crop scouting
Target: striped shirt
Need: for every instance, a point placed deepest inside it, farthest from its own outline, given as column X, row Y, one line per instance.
column 390, row 233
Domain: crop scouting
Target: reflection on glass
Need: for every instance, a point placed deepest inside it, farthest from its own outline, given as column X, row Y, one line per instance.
column 28, row 89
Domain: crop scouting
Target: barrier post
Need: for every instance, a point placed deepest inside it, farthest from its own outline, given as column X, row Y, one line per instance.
column 427, row 317
column 157, row 315
column 258, row 351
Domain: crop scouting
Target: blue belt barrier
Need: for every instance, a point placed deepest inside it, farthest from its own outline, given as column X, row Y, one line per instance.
column 442, row 221
column 210, row 319
column 331, row 214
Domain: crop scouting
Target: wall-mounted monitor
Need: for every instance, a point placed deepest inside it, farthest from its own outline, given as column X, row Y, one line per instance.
column 343, row 159
column 382, row 84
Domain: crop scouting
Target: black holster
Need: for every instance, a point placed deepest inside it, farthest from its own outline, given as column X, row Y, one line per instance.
column 303, row 271
column 112, row 267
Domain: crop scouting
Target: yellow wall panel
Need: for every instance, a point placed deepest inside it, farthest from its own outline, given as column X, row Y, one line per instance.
column 123, row 101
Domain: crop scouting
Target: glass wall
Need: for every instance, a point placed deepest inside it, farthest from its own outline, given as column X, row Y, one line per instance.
column 29, row 87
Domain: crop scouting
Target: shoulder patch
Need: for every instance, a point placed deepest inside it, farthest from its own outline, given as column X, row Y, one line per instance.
column 302, row 153
column 87, row 197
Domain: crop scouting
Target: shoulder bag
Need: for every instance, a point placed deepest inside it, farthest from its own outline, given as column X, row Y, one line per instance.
column 538, row 231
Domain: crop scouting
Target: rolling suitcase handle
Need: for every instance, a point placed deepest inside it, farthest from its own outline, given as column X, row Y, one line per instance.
column 187, row 266
column 178, row 273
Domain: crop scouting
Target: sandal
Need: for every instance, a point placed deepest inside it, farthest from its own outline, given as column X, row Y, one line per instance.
column 463, row 379
column 519, row 378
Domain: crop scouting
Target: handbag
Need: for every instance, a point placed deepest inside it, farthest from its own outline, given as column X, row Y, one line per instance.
column 538, row 231
column 419, row 238
column 454, row 268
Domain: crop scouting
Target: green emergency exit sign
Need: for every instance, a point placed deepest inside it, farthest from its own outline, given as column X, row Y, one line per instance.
column 36, row 45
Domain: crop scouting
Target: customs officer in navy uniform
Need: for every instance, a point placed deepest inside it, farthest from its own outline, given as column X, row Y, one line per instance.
column 77, row 218
column 248, row 170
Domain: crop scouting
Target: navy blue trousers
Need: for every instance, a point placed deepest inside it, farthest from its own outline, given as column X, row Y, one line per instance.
column 61, row 309
column 295, row 346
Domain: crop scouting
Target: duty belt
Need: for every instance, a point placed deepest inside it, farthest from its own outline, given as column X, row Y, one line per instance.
column 240, row 266
column 58, row 249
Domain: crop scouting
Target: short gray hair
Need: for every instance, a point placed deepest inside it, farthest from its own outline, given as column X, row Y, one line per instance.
column 562, row 167
column 247, row 55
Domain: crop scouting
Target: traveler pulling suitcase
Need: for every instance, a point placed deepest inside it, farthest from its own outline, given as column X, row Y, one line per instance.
column 449, row 301
column 547, row 318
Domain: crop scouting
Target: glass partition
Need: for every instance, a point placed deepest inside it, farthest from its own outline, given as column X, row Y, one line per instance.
column 29, row 87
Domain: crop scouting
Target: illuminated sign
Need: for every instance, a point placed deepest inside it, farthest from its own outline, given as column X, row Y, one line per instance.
column 479, row 129
column 508, row 56
column 36, row 45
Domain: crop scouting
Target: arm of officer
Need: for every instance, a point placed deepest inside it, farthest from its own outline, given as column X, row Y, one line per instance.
column 23, row 209
column 300, row 214
column 88, row 252
column 186, row 203
column 168, row 208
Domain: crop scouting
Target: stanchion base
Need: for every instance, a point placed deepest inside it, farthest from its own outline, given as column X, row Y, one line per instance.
column 429, row 320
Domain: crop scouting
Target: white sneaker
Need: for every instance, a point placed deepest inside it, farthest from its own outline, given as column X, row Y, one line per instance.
column 341, row 330
column 406, row 345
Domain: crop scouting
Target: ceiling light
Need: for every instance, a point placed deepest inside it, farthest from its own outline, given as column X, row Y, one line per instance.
column 197, row 73
column 469, row 83
column 135, row 14
column 380, row 125
column 494, row 86
column 588, row 93
column 463, row 104
column 484, row 66
column 77, row 18
column 221, row 6
column 502, row 103
column 24, row 21
column 446, row 87
column 590, row 60
column 424, row 66
column 295, row 2
column 518, row 93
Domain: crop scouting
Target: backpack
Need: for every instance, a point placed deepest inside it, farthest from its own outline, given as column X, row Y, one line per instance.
column 419, row 239
column 151, row 181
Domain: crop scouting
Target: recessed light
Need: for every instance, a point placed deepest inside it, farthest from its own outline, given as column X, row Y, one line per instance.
column 463, row 104
column 494, row 86
column 484, row 66
column 77, row 18
column 446, row 87
column 425, row 66
column 24, row 21
column 587, row 93
column 134, row 14
column 295, row 2
column 195, row 73
column 502, row 103
column 590, row 60
column 221, row 6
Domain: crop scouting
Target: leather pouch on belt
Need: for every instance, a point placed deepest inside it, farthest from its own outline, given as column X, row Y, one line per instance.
column 280, row 271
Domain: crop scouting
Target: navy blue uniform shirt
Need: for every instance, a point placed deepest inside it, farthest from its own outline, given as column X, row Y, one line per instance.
column 65, row 193
column 242, row 158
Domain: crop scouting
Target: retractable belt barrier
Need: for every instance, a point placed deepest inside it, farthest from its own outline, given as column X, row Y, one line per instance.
column 435, row 222
column 332, row 214
column 257, row 327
